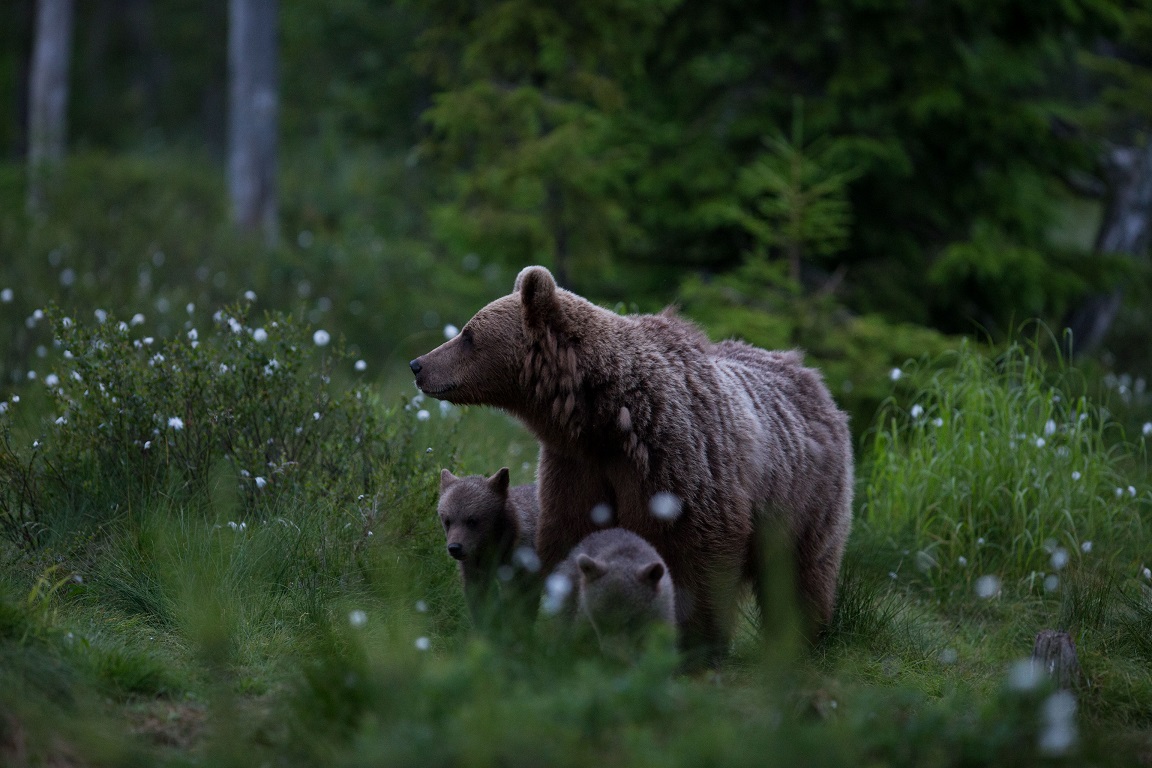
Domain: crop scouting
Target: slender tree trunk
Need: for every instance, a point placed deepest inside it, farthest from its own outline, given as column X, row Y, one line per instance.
column 1126, row 228
column 48, row 94
column 253, row 106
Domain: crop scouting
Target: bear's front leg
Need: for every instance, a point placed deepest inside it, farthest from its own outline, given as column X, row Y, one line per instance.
column 569, row 489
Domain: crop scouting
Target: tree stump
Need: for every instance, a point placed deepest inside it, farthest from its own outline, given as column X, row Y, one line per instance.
column 1056, row 652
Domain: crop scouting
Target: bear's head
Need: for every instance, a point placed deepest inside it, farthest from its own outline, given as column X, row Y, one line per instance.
column 473, row 511
column 518, row 348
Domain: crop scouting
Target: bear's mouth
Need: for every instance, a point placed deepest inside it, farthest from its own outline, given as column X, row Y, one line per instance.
column 437, row 392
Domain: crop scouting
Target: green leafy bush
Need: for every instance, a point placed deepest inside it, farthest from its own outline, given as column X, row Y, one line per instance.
column 227, row 400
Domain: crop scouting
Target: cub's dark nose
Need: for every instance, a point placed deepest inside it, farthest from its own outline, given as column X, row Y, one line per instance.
column 456, row 550
column 415, row 366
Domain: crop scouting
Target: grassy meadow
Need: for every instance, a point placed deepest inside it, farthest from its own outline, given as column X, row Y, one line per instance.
column 218, row 543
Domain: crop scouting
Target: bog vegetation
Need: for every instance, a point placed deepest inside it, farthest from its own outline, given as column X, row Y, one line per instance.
column 218, row 539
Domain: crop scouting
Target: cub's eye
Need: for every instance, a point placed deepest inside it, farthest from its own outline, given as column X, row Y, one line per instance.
column 472, row 523
column 446, row 522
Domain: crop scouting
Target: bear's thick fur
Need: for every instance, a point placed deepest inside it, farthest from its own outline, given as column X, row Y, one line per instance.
column 617, row 584
column 702, row 449
column 491, row 530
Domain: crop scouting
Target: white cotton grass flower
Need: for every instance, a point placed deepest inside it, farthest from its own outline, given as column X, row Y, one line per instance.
column 423, row 643
column 357, row 618
column 176, row 423
column 895, row 374
column 259, row 335
column 101, row 315
column 962, row 561
column 1051, row 582
column 1076, row 475
column 1039, row 442
column 557, row 587
column 423, row 415
column 51, row 380
column 250, row 295
column 451, row 331
column 601, row 514
column 1049, row 427
column 360, row 365
column 1086, row 547
column 917, row 411
column 137, row 319
column 525, row 557
column 1058, row 733
column 1025, row 675
column 421, row 606
column 988, row 586
column 1132, row 491
column 1146, row 430
column 190, row 307
column 1059, row 558
column 1146, row 572
column 260, row 482
column 666, row 506
column 321, row 338
column 949, row 656
column 6, row 296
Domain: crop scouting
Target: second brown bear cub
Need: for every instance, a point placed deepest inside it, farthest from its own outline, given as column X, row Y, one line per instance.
column 490, row 529
column 615, row 584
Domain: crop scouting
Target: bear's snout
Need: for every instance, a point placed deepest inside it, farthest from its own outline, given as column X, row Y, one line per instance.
column 415, row 366
column 456, row 550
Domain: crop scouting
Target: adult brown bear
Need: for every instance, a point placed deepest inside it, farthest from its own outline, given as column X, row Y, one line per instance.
column 700, row 448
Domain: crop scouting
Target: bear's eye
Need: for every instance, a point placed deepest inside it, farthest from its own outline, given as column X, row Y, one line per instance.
column 472, row 523
column 446, row 522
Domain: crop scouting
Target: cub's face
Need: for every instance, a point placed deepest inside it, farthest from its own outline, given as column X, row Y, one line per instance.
column 619, row 597
column 471, row 511
column 481, row 365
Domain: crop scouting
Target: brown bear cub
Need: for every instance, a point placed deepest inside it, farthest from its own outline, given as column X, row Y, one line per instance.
column 490, row 530
column 732, row 461
column 616, row 585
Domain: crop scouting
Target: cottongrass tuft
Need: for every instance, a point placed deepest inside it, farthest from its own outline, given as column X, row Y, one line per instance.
column 1025, row 675
column 601, row 514
column 321, row 338
column 557, row 587
column 666, row 506
column 988, row 586
column 176, row 423
column 357, row 618
column 1058, row 715
column 423, row 643
column 450, row 331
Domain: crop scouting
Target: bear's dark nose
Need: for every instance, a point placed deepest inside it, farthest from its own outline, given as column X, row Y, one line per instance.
column 415, row 366
column 456, row 550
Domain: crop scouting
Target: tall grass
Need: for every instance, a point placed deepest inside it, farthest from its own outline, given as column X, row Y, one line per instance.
column 1000, row 467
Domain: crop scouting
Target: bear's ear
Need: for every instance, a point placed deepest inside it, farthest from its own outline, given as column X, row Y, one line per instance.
column 591, row 569
column 446, row 479
column 651, row 574
column 499, row 482
column 537, row 289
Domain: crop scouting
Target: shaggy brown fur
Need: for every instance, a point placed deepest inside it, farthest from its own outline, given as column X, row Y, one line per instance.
column 747, row 442
column 491, row 530
column 617, row 584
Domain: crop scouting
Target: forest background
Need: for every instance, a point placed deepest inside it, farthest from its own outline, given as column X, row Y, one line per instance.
column 873, row 181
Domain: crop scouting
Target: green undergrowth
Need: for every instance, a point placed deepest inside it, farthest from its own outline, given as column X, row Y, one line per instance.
column 160, row 607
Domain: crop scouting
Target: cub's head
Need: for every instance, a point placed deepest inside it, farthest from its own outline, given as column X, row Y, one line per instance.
column 484, row 363
column 620, row 596
column 472, row 511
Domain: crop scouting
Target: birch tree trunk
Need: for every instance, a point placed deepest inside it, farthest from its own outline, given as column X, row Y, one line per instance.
column 48, row 94
column 253, row 107
column 1126, row 228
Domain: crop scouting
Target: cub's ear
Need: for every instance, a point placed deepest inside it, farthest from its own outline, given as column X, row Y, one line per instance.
column 446, row 479
column 591, row 569
column 537, row 289
column 499, row 482
column 651, row 574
